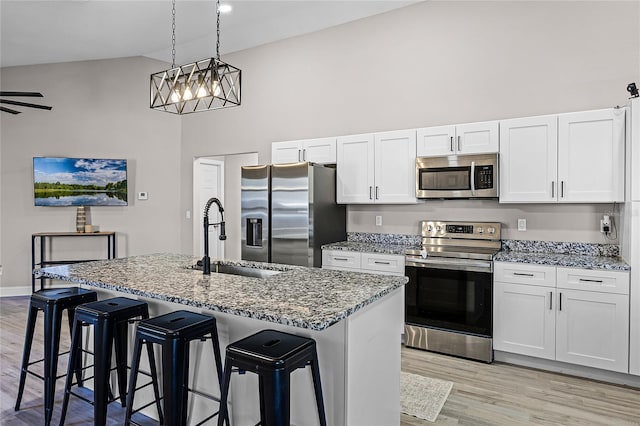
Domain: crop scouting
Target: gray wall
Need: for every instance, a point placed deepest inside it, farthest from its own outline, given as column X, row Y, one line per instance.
column 101, row 110
column 428, row 64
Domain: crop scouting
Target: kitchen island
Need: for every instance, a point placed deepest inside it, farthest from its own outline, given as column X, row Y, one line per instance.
column 356, row 319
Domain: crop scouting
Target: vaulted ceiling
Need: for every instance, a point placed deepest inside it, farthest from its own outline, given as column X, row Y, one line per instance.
column 38, row 32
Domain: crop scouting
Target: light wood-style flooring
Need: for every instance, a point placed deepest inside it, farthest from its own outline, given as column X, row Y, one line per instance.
column 482, row 394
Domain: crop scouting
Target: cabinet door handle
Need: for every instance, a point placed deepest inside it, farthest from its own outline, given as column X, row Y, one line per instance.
column 378, row 262
column 377, row 192
column 561, row 189
column 299, row 155
column 553, row 189
column 590, row 281
column 560, row 301
column 371, row 192
column 522, row 274
column 304, row 155
column 343, row 259
column 458, row 143
column 550, row 300
column 451, row 143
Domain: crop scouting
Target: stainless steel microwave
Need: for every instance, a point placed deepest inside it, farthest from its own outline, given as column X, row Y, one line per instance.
column 457, row 176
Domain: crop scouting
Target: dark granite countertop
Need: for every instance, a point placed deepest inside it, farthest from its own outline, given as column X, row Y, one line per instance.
column 310, row 298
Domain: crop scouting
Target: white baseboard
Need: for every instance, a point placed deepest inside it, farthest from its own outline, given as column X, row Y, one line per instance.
column 15, row 291
column 569, row 369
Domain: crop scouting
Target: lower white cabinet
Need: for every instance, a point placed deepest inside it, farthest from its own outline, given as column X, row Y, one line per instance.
column 576, row 316
column 378, row 263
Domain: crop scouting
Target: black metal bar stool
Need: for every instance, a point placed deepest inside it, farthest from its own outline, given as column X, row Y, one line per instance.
column 174, row 331
column 110, row 319
column 273, row 355
column 52, row 301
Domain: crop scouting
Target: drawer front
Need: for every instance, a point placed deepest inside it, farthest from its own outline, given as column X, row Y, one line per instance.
column 525, row 273
column 383, row 263
column 594, row 280
column 340, row 259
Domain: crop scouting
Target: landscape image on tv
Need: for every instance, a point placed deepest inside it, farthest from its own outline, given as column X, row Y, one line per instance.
column 79, row 182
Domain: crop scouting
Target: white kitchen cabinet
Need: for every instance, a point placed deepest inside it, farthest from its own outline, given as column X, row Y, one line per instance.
column 377, row 263
column 566, row 158
column 528, row 159
column 321, row 150
column 470, row 138
column 524, row 318
column 578, row 316
column 592, row 318
column 591, row 156
column 376, row 168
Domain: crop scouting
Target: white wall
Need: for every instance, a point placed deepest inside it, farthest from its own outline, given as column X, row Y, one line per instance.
column 100, row 109
column 429, row 64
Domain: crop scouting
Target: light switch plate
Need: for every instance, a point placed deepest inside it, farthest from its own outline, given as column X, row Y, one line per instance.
column 378, row 220
column 143, row 195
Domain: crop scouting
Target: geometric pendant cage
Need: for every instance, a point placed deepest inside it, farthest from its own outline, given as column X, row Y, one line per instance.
column 199, row 86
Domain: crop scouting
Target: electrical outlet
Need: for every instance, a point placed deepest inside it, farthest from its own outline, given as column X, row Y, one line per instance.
column 143, row 195
column 522, row 224
column 378, row 220
column 605, row 224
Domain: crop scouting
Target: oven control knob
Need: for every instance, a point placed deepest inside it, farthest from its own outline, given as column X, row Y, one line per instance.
column 438, row 228
column 429, row 228
column 491, row 230
column 480, row 230
column 423, row 254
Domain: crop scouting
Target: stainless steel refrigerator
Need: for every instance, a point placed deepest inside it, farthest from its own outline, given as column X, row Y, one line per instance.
column 289, row 211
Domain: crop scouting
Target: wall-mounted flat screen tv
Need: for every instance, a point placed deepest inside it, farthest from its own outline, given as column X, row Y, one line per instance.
column 59, row 181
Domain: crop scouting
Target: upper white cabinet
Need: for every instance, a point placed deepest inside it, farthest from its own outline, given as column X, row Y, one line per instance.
column 376, row 168
column 591, row 156
column 471, row 138
column 528, row 159
column 567, row 158
column 322, row 151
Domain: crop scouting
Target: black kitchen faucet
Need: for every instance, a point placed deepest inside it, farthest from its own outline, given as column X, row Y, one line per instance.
column 206, row 261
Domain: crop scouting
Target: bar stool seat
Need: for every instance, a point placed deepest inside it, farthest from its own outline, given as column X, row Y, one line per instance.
column 273, row 355
column 110, row 319
column 52, row 301
column 174, row 332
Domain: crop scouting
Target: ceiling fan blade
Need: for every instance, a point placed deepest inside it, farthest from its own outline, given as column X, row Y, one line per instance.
column 9, row 110
column 25, row 94
column 24, row 104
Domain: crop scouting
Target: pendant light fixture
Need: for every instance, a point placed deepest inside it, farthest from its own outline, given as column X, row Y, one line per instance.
column 199, row 86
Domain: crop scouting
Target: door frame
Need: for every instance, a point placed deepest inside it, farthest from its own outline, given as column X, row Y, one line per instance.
column 198, row 215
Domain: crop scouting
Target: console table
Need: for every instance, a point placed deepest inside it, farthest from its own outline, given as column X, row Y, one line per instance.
column 42, row 237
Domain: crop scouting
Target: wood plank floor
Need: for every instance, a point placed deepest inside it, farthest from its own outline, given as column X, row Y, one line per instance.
column 482, row 394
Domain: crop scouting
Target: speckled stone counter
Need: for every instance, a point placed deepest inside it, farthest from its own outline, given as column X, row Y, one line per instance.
column 366, row 247
column 568, row 260
column 302, row 297
column 572, row 255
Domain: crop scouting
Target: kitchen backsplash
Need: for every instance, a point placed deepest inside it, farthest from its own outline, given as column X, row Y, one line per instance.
column 555, row 247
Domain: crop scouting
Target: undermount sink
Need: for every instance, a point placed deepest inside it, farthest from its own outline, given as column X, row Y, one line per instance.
column 244, row 271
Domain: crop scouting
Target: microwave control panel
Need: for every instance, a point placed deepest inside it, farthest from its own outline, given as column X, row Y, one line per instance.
column 484, row 177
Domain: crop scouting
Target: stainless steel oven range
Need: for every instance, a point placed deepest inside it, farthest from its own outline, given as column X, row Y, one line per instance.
column 449, row 296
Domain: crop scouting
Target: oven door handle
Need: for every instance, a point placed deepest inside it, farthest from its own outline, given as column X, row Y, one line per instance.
column 473, row 266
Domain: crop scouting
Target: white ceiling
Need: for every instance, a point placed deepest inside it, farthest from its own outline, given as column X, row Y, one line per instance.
column 38, row 32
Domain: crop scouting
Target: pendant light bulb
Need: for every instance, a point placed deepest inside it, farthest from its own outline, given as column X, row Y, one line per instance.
column 187, row 94
column 175, row 93
column 202, row 88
